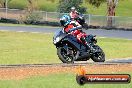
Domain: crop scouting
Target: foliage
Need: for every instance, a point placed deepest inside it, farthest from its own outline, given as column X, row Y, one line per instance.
column 51, row 0
column 3, row 3
column 33, row 17
column 95, row 3
column 123, row 8
column 32, row 5
column 65, row 5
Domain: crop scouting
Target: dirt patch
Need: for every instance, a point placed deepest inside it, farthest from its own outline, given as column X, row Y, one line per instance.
column 17, row 73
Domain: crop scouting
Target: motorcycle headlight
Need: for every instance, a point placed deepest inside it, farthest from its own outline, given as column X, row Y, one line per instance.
column 56, row 40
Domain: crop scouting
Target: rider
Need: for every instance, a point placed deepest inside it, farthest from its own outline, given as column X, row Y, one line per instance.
column 73, row 14
column 73, row 27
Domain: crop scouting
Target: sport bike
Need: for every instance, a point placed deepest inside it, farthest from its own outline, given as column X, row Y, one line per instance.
column 69, row 49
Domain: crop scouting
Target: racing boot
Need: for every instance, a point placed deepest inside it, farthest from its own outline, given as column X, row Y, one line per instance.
column 88, row 45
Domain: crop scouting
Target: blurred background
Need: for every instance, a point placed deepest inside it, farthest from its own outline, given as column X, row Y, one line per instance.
column 96, row 11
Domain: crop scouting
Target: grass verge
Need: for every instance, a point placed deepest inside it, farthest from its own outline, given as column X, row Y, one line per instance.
column 24, row 25
column 62, row 80
column 29, row 48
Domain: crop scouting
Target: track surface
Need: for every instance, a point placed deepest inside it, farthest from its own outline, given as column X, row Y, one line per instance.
column 22, row 72
column 111, row 62
column 98, row 32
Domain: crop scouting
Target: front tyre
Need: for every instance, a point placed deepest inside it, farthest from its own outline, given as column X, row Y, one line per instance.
column 99, row 55
column 62, row 54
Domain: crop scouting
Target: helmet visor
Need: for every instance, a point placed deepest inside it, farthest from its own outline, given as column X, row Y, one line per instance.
column 62, row 22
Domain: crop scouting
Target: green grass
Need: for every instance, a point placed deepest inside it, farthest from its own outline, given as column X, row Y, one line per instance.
column 42, row 4
column 48, row 5
column 55, row 81
column 18, row 4
column 21, row 48
column 24, row 25
column 124, row 7
column 116, row 48
column 27, row 48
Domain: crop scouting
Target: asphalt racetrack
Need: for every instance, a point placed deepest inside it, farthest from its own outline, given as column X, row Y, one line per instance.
column 97, row 32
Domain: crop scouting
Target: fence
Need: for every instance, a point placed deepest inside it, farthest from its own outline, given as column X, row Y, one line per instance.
column 117, row 21
column 95, row 20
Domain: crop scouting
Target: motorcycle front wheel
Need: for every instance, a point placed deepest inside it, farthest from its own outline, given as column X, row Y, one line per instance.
column 63, row 56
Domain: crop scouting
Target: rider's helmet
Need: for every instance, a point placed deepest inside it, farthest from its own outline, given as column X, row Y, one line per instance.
column 73, row 8
column 65, row 20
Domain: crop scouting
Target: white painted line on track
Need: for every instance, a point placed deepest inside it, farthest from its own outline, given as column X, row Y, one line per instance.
column 25, row 32
column 52, row 33
column 20, row 31
column 102, row 37
column 127, row 58
column 4, row 30
column 114, row 38
column 35, row 32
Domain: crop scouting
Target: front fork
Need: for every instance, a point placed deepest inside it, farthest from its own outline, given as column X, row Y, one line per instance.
column 70, row 52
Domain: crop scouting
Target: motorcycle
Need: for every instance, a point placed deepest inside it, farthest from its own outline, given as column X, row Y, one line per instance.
column 69, row 49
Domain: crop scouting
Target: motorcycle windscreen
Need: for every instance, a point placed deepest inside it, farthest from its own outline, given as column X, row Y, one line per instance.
column 58, row 33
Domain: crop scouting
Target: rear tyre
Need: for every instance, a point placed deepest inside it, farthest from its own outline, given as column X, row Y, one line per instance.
column 62, row 54
column 99, row 55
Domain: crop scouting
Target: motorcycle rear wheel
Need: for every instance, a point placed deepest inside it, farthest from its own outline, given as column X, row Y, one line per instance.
column 98, row 56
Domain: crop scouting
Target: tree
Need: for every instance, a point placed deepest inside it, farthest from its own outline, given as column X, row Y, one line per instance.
column 31, row 14
column 3, row 3
column 65, row 5
column 95, row 3
column 111, row 6
column 32, row 5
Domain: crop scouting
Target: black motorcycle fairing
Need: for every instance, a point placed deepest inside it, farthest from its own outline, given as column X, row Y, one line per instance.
column 91, row 39
column 67, row 38
column 72, row 41
column 83, row 56
column 60, row 34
